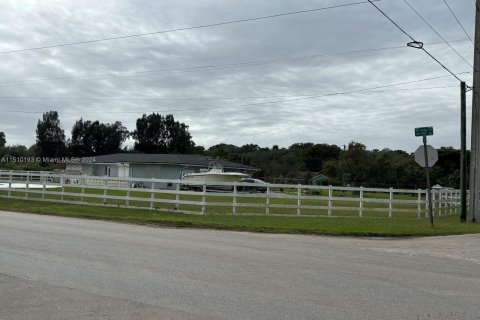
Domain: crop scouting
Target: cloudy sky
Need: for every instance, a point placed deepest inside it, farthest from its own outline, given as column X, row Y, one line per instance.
column 249, row 82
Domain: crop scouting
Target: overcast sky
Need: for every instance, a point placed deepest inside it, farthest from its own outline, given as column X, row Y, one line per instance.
column 211, row 78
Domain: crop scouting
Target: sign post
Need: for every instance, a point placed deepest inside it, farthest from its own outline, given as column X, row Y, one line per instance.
column 424, row 132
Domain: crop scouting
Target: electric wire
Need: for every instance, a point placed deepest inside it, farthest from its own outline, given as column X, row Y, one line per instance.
column 204, row 67
column 150, row 72
column 188, row 28
column 408, row 35
column 458, row 21
column 437, row 33
column 194, row 99
column 364, row 90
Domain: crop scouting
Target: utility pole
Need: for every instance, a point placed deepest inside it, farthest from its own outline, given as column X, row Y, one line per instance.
column 463, row 152
column 474, row 152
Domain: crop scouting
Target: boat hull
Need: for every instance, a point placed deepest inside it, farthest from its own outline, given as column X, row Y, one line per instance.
column 215, row 177
column 211, row 178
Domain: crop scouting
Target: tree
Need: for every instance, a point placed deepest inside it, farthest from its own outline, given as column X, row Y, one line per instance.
column 15, row 151
column 157, row 134
column 314, row 156
column 50, row 136
column 353, row 163
column 2, row 140
column 390, row 169
column 33, row 150
column 225, row 151
column 95, row 138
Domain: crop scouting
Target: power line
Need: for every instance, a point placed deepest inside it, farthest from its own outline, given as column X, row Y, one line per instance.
column 458, row 21
column 365, row 90
column 104, row 76
column 414, row 41
column 207, row 67
column 437, row 33
column 188, row 28
column 200, row 98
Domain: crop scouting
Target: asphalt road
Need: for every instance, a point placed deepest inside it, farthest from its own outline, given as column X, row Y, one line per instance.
column 62, row 268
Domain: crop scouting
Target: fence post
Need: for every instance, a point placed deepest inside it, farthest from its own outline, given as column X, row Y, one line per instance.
column 44, row 189
column 440, row 203
column 81, row 194
column 426, row 204
column 299, row 199
column 447, row 204
column 63, row 190
column 419, row 205
column 127, row 200
column 457, row 203
column 234, row 203
column 105, row 182
column 438, row 199
column 434, row 198
column 152, row 195
column 9, row 194
column 26, row 186
column 267, row 201
column 390, row 203
column 177, row 196
column 330, row 200
column 454, row 202
column 450, row 200
column 204, row 193
column 360, row 209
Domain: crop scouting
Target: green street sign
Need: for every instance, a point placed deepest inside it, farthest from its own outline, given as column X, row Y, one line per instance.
column 423, row 131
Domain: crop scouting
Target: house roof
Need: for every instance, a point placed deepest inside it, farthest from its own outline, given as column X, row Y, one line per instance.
column 193, row 160
column 320, row 177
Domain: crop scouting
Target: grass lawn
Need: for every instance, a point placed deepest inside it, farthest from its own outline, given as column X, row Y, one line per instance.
column 396, row 226
column 345, row 204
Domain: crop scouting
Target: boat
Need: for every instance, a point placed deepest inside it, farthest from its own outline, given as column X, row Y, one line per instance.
column 212, row 175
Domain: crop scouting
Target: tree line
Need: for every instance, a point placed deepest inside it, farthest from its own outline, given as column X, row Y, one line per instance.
column 352, row 165
column 154, row 133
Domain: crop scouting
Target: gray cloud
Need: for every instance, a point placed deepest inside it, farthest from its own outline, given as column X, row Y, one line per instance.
column 380, row 120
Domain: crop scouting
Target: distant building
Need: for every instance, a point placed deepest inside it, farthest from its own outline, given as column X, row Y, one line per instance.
column 148, row 166
column 319, row 179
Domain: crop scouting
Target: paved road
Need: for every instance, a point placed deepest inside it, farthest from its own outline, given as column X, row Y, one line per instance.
column 61, row 268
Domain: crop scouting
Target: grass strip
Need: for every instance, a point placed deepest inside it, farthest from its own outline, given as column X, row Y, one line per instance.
column 373, row 227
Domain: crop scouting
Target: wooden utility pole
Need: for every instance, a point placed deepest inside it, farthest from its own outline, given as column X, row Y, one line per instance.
column 472, row 214
column 463, row 152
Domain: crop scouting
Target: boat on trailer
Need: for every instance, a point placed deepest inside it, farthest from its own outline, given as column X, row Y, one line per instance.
column 212, row 175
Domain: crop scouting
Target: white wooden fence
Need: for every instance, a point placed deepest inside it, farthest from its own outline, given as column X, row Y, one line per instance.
column 225, row 198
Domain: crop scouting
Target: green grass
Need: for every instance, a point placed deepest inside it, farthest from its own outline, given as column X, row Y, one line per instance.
column 397, row 226
column 345, row 203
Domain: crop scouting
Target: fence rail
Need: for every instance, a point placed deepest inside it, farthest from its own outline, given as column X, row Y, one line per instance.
column 225, row 198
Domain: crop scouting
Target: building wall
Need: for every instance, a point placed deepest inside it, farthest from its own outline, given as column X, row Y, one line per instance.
column 98, row 170
column 80, row 168
column 157, row 171
column 73, row 167
column 88, row 169
column 137, row 170
column 123, row 170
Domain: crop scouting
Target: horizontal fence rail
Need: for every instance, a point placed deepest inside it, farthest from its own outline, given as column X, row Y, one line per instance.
column 225, row 198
